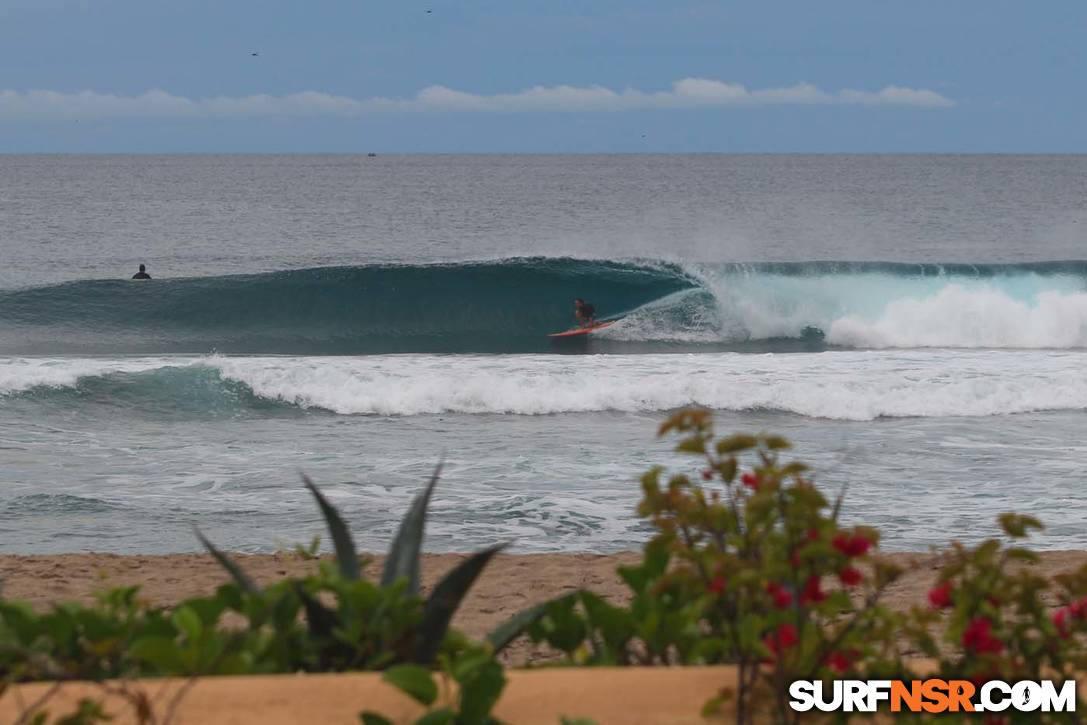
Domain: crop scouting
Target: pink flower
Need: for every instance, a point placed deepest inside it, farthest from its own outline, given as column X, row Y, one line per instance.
column 779, row 594
column 1060, row 620
column 850, row 576
column 813, row 591
column 839, row 661
column 977, row 637
column 851, row 546
column 940, row 597
column 785, row 637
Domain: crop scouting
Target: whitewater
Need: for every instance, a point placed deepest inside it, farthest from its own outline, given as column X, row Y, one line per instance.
column 855, row 386
column 917, row 326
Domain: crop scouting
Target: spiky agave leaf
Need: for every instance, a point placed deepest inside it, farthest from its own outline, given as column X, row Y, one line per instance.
column 346, row 557
column 501, row 636
column 444, row 601
column 403, row 558
column 320, row 619
column 236, row 573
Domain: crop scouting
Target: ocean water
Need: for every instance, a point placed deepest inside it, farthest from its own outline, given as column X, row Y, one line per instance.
column 916, row 325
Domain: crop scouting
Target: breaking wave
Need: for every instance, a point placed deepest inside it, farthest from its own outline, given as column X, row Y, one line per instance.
column 848, row 385
column 509, row 306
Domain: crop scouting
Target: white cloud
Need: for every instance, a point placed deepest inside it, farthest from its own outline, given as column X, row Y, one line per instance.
column 688, row 93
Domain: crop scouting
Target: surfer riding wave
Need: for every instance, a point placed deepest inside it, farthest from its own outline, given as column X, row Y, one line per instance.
column 584, row 313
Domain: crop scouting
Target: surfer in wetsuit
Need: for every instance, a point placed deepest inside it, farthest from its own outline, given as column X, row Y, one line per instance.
column 142, row 274
column 584, row 313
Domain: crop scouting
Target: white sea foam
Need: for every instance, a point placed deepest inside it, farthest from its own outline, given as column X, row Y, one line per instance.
column 960, row 317
column 840, row 385
column 1023, row 310
column 21, row 374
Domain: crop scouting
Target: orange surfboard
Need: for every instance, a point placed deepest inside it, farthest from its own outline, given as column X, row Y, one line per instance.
column 583, row 330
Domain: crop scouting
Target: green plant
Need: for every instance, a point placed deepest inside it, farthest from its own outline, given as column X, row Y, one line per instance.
column 988, row 619
column 331, row 620
column 748, row 567
column 478, row 679
column 353, row 623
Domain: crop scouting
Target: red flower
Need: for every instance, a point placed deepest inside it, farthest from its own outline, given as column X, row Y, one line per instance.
column 813, row 591
column 813, row 534
column 839, row 661
column 940, row 597
column 851, row 546
column 717, row 586
column 1060, row 620
column 785, row 637
column 1079, row 609
column 977, row 637
column 779, row 594
column 707, row 474
column 750, row 480
column 850, row 576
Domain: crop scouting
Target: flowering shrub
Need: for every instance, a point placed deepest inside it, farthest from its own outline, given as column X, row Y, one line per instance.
column 748, row 565
column 988, row 617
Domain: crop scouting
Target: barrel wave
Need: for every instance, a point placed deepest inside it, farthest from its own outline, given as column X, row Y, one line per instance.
column 509, row 306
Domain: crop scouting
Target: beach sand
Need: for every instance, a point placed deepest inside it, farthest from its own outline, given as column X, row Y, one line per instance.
column 511, row 583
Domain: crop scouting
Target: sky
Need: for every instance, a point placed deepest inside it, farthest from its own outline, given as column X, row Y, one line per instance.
column 555, row 76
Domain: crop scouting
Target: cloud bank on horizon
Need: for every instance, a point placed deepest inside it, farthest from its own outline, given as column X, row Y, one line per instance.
column 688, row 93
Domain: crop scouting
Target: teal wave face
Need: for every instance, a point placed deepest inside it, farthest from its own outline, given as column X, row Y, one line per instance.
column 163, row 392
column 498, row 306
column 510, row 306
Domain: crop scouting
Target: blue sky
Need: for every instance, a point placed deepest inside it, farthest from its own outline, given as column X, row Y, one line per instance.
column 555, row 76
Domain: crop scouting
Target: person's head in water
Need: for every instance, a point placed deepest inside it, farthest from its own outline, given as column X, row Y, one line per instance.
column 142, row 274
column 143, row 268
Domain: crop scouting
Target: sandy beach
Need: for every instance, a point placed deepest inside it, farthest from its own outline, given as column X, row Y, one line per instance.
column 511, row 583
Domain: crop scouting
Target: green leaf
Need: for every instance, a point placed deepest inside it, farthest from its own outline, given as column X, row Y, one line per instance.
column 413, row 680
column 1017, row 526
column 480, row 689
column 346, row 556
column 736, row 443
column 236, row 573
column 727, row 469
column 776, row 443
column 694, row 444
column 372, row 718
column 188, row 621
column 444, row 716
column 501, row 636
column 403, row 558
column 321, row 619
column 444, row 601
column 162, row 652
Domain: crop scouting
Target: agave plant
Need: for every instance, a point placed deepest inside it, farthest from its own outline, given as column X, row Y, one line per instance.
column 353, row 623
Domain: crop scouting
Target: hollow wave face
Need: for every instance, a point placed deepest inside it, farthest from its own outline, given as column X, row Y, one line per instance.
column 510, row 306
column 846, row 385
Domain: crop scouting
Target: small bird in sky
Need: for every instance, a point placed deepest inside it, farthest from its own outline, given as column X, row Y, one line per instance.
column 254, row 54
column 428, row 12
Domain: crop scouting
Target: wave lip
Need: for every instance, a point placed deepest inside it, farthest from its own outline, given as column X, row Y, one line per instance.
column 846, row 385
